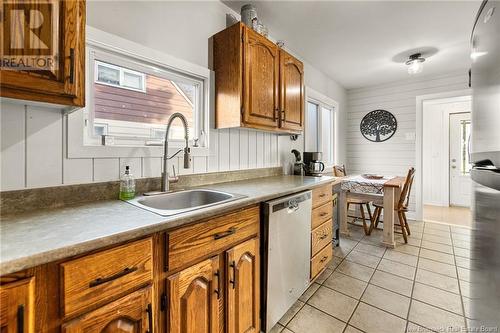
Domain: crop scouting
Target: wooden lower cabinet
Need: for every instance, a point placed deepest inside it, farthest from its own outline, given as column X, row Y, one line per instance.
column 194, row 298
column 321, row 229
column 131, row 288
column 243, row 291
column 132, row 314
column 17, row 306
column 197, row 294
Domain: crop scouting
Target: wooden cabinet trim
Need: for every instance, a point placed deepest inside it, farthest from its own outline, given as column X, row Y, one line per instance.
column 190, row 290
column 243, row 287
column 56, row 89
column 100, row 277
column 288, row 112
column 132, row 311
column 17, row 306
column 321, row 214
column 321, row 236
column 188, row 244
column 321, row 260
column 252, row 114
column 321, row 195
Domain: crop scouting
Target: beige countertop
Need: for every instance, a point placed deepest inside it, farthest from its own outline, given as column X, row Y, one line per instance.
column 35, row 238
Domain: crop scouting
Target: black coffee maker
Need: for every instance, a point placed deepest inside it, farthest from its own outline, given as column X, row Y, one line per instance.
column 312, row 163
column 298, row 166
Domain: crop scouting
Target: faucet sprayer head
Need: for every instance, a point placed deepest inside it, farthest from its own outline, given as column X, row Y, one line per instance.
column 187, row 158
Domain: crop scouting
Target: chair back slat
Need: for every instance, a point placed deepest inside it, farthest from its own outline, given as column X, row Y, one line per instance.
column 339, row 171
column 404, row 199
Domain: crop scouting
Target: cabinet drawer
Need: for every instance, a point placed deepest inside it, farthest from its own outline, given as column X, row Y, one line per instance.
column 321, row 236
column 188, row 244
column 320, row 260
column 101, row 276
column 321, row 214
column 321, row 194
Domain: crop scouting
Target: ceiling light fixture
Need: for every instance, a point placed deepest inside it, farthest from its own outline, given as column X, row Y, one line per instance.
column 415, row 64
column 476, row 54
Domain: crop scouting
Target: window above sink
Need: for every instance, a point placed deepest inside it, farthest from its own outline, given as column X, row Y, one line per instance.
column 132, row 91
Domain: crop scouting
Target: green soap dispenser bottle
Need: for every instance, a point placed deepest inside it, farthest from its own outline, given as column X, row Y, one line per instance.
column 127, row 185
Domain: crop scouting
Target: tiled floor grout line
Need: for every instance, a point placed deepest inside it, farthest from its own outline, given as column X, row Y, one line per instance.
column 459, row 286
column 363, row 240
column 362, row 294
column 321, row 285
column 413, row 285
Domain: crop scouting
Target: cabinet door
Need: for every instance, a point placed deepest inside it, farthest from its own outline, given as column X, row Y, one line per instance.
column 50, row 34
column 243, row 287
column 194, row 298
column 130, row 314
column 292, row 92
column 260, row 82
column 17, row 307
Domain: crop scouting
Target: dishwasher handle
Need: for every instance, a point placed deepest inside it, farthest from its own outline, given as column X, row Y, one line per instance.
column 292, row 204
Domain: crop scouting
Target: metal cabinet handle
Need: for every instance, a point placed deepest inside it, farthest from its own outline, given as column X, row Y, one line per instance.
column 217, row 291
column 323, row 259
column 324, row 236
column 233, row 281
column 323, row 214
column 276, row 113
column 71, row 65
column 322, row 195
column 229, row 232
column 20, row 319
column 149, row 310
column 100, row 281
column 283, row 115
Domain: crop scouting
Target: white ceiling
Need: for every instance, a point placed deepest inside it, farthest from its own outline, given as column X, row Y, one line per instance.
column 355, row 42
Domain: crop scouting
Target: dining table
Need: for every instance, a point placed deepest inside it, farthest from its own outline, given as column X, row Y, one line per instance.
column 387, row 188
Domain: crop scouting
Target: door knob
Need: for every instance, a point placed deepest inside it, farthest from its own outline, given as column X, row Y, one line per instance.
column 453, row 159
column 453, row 166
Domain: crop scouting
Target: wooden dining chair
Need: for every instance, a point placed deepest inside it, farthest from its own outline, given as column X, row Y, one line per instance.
column 340, row 171
column 401, row 207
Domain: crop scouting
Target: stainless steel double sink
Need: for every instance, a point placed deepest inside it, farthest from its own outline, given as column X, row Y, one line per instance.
column 173, row 203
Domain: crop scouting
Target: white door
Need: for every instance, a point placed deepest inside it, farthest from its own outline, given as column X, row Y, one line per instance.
column 460, row 183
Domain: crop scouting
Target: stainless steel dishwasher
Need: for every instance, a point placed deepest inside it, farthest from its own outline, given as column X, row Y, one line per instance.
column 286, row 234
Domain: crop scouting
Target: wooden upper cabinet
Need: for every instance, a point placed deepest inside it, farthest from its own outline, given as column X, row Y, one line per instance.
column 194, row 298
column 17, row 302
column 131, row 314
column 257, row 85
column 50, row 34
column 292, row 92
column 243, row 290
column 260, row 81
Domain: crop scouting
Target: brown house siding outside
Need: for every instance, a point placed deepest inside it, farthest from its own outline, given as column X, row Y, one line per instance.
column 155, row 106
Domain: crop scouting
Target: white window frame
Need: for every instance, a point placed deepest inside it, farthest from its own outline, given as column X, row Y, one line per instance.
column 158, row 62
column 122, row 71
column 321, row 100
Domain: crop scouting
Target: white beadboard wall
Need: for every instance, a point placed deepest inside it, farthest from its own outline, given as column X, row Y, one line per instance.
column 33, row 152
column 396, row 155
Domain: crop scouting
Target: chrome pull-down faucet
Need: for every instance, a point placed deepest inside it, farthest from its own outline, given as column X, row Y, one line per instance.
column 187, row 151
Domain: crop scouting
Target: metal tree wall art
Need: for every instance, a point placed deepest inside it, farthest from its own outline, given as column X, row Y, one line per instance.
column 378, row 125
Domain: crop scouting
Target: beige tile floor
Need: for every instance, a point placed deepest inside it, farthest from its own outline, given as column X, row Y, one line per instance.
column 417, row 287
